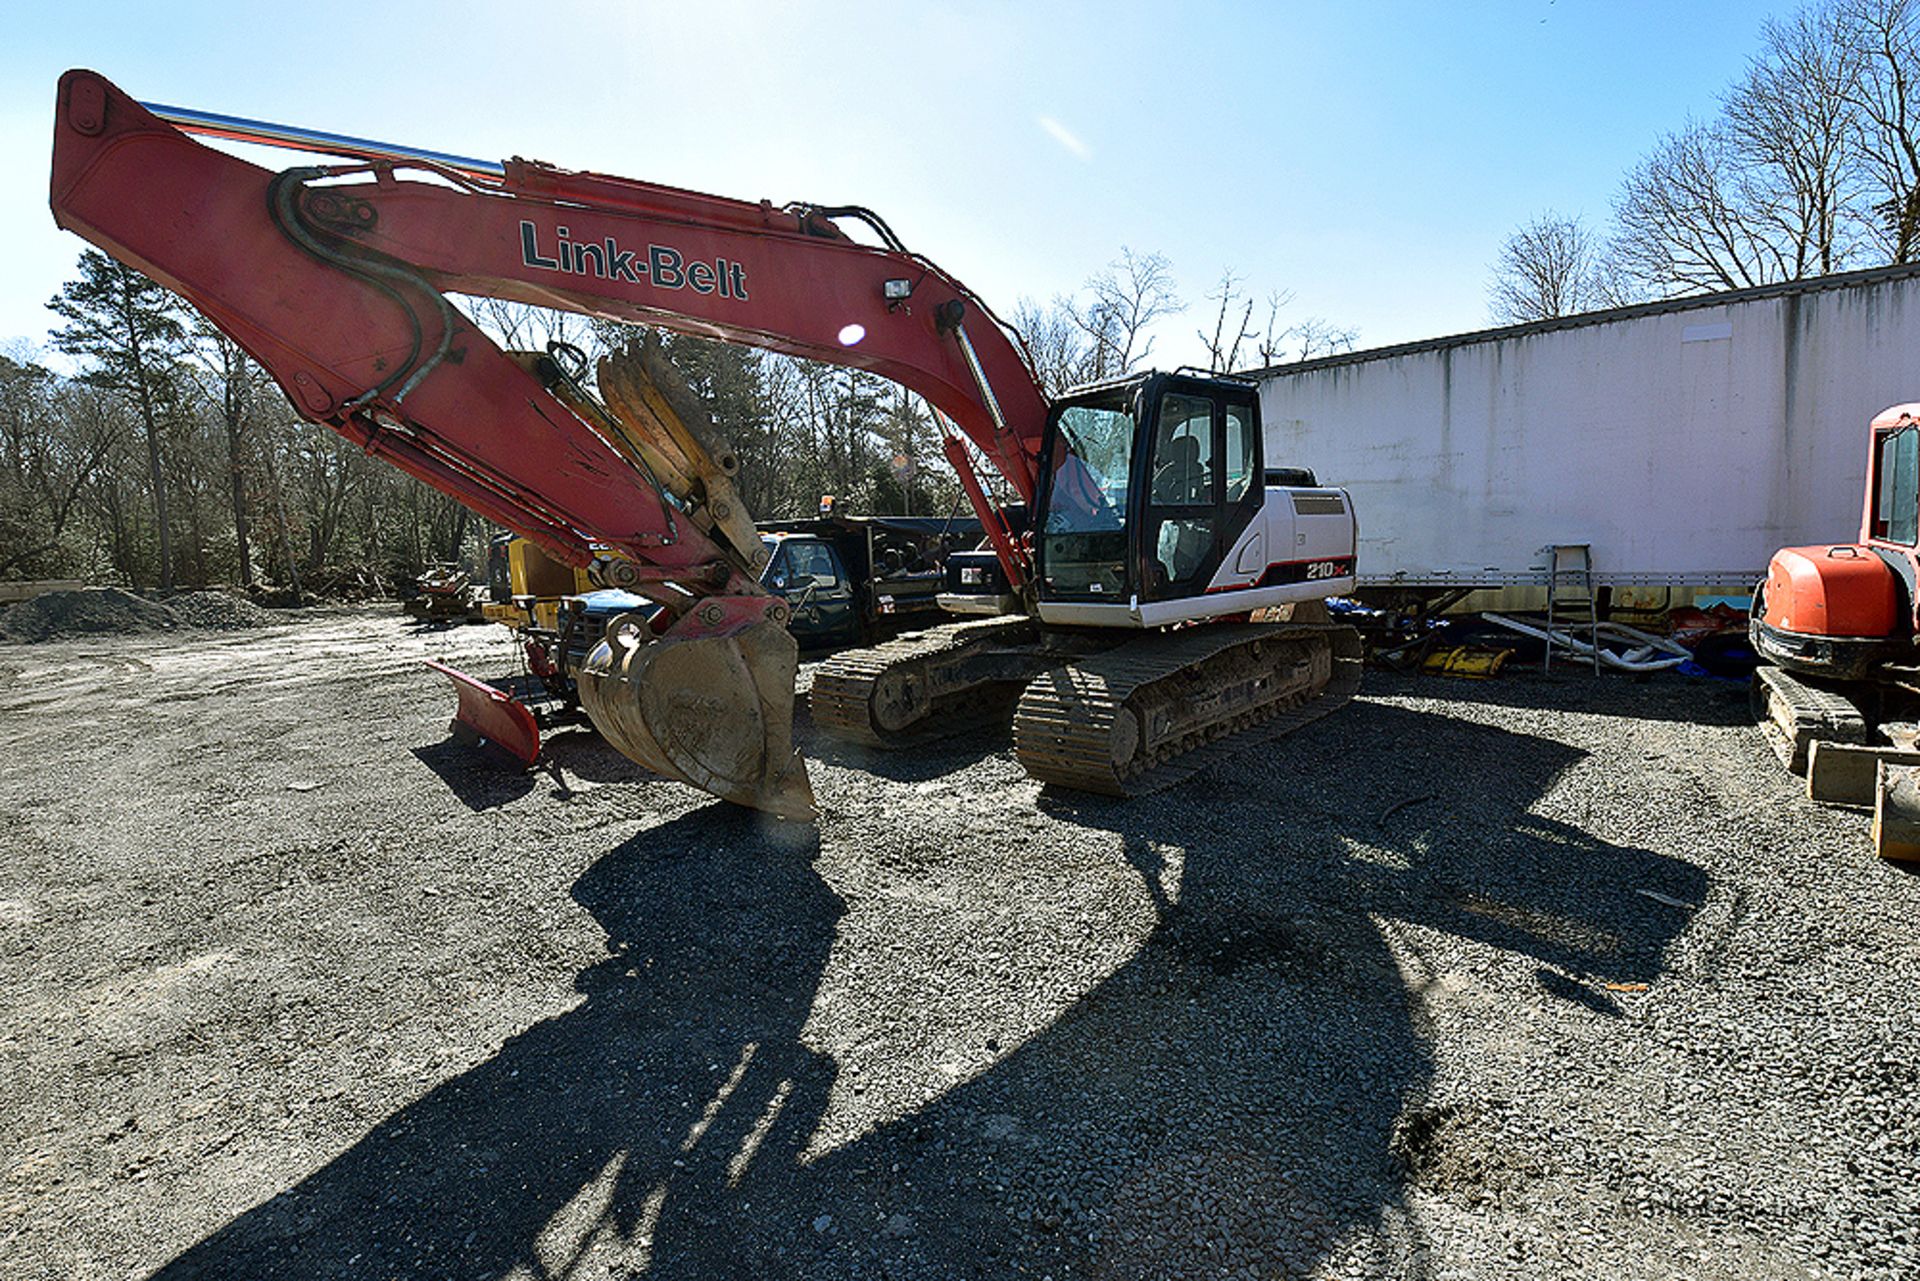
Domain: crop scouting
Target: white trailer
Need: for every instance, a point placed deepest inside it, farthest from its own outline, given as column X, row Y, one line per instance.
column 1684, row 441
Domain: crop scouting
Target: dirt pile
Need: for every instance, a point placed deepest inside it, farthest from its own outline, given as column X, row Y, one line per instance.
column 93, row 612
column 216, row 611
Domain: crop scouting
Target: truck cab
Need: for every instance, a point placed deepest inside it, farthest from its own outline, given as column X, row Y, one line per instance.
column 848, row 580
column 808, row 573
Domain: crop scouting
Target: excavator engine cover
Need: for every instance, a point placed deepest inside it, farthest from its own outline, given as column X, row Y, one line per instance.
column 1841, row 590
column 715, row 711
column 1829, row 611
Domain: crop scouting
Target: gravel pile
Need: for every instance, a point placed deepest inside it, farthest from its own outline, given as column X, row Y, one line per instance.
column 93, row 611
column 217, row 611
column 1533, row 977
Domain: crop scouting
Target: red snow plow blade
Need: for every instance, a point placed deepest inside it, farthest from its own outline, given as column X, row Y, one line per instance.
column 490, row 716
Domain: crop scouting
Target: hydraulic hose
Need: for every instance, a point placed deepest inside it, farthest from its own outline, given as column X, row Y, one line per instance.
column 283, row 206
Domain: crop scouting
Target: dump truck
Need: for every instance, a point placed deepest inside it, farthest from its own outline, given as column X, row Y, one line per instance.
column 853, row 580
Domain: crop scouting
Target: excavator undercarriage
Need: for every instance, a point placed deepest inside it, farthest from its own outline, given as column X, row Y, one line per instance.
column 1122, row 715
column 1152, row 711
column 1794, row 714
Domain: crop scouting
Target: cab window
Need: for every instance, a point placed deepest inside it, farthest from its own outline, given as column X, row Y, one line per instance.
column 803, row 560
column 813, row 560
column 1897, row 498
column 1183, row 455
column 1240, row 451
column 1083, row 547
column 1183, row 518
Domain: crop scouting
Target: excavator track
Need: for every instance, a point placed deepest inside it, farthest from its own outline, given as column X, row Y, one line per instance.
column 924, row 685
column 1794, row 715
column 1153, row 711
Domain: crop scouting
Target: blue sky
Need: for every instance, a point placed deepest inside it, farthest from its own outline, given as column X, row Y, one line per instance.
column 1367, row 157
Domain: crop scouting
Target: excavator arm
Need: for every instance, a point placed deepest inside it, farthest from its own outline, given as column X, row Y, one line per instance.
column 335, row 280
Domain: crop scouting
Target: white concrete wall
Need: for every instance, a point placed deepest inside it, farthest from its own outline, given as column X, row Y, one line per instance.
column 1685, row 446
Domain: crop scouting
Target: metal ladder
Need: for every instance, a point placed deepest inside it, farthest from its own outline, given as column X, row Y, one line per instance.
column 1570, row 595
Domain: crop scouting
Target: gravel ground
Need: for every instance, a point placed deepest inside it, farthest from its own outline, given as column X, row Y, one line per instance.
column 111, row 612
column 217, row 611
column 104, row 611
column 1519, row 979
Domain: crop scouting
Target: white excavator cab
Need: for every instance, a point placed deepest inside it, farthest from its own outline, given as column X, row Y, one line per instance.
column 1154, row 508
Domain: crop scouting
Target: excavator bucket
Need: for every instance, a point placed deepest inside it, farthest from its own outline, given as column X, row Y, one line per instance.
column 492, row 716
column 713, row 711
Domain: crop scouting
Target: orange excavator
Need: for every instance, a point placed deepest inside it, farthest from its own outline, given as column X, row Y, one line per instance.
column 1158, row 601
column 1839, row 626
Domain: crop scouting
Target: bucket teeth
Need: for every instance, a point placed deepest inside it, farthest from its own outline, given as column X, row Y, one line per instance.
column 712, row 711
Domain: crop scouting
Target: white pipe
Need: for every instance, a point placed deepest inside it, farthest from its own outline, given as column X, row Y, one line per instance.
column 1638, row 659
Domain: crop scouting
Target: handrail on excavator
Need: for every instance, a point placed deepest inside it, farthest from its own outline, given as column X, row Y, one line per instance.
column 212, row 124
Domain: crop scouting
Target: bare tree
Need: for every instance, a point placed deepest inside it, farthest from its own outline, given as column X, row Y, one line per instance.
column 1235, row 344
column 1129, row 295
column 55, row 438
column 1232, row 323
column 1274, row 336
column 1313, row 338
column 1789, row 121
column 1305, row 339
column 519, row 326
column 1784, row 183
column 1883, row 38
column 1682, row 227
column 1547, row 268
column 1056, row 346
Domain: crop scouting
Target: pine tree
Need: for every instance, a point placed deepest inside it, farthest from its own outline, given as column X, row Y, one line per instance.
column 132, row 331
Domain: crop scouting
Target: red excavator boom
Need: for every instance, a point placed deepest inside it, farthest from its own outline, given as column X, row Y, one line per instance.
column 331, row 278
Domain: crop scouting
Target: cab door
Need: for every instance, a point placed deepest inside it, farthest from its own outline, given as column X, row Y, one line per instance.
column 1201, row 479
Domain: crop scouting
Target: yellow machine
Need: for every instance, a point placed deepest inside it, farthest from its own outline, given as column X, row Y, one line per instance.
column 525, row 586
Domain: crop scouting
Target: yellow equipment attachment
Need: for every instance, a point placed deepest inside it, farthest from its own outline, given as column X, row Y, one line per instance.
column 646, row 411
column 1470, row 661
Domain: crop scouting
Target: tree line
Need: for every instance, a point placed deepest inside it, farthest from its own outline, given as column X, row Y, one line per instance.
column 1811, row 165
column 166, row 459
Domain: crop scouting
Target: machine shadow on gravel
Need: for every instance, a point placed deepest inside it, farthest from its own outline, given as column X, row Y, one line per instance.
column 1234, row 1093
column 481, row 783
column 484, row 780
column 715, row 948
column 920, row 763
